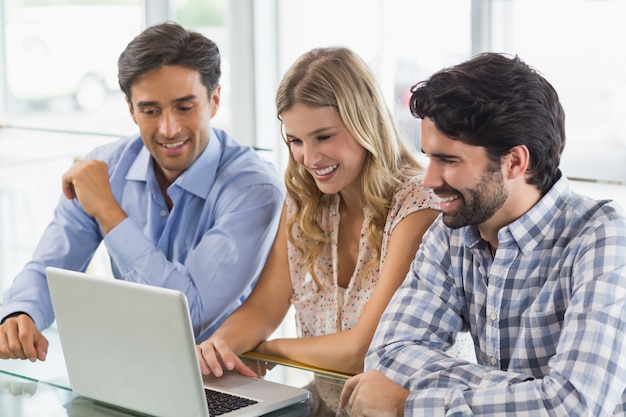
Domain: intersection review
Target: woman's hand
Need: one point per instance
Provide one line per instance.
(215, 355)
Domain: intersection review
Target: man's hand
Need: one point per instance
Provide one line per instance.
(20, 339)
(88, 182)
(215, 356)
(373, 394)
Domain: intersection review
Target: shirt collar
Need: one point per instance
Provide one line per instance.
(198, 179)
(530, 229)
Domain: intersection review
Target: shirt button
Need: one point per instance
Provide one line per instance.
(163, 213)
(493, 316)
(493, 360)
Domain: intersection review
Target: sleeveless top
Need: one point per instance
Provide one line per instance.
(332, 309)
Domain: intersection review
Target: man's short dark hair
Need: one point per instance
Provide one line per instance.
(497, 102)
(169, 44)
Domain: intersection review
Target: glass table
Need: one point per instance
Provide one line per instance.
(42, 389)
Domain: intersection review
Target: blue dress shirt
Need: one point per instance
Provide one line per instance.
(211, 246)
(547, 315)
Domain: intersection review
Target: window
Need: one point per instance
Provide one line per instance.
(61, 98)
(578, 46)
(58, 74)
(401, 40)
(61, 70)
(210, 17)
(59, 82)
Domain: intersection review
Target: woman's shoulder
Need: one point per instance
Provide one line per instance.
(412, 192)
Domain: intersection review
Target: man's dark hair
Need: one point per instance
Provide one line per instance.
(497, 102)
(169, 44)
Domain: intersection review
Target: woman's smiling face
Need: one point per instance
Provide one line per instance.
(320, 142)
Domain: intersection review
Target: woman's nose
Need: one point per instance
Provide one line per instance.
(310, 154)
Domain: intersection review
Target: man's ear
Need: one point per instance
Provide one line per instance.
(517, 161)
(214, 100)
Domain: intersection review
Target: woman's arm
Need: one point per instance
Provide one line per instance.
(345, 351)
(256, 319)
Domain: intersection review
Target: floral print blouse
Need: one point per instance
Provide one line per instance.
(332, 309)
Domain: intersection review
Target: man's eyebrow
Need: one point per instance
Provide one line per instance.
(175, 101)
(185, 98)
(439, 155)
(147, 103)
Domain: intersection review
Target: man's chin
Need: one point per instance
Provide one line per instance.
(452, 221)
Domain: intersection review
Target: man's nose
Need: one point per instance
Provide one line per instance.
(432, 176)
(168, 125)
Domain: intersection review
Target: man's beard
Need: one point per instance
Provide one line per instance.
(479, 203)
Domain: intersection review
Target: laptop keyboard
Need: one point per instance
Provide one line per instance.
(221, 403)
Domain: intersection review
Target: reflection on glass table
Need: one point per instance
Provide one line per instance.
(324, 385)
(42, 389)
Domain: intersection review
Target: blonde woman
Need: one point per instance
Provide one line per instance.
(352, 221)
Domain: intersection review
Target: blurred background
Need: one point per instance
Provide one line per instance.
(59, 95)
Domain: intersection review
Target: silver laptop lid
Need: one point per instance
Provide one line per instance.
(132, 346)
(127, 344)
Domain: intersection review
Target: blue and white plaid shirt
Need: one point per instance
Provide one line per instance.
(547, 315)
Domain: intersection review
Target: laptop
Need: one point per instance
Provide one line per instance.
(131, 346)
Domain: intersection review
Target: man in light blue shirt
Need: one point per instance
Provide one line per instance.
(534, 272)
(180, 205)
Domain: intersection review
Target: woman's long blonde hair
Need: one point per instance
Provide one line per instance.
(339, 78)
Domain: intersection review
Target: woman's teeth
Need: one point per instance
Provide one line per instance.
(326, 171)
